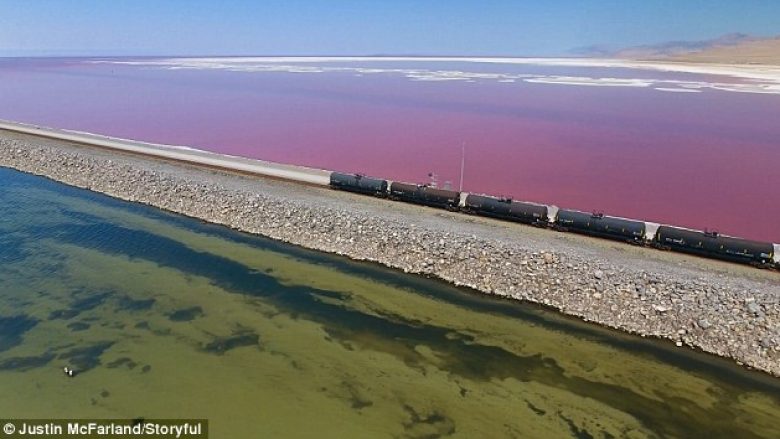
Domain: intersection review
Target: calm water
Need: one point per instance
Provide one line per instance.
(698, 156)
(169, 317)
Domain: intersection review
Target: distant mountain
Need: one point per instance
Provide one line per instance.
(757, 51)
(730, 48)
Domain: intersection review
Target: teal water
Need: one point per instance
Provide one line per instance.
(165, 316)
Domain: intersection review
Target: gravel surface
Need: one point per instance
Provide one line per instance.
(725, 309)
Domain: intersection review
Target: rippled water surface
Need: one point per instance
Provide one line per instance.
(165, 316)
(688, 149)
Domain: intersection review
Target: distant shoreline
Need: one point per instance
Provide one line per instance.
(706, 58)
(761, 79)
(733, 69)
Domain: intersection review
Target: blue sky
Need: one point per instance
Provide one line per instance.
(367, 27)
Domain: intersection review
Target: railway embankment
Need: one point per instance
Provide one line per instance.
(728, 310)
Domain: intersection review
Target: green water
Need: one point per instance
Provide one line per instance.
(168, 317)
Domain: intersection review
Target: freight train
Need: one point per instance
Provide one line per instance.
(665, 237)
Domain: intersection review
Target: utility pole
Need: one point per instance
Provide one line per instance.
(462, 164)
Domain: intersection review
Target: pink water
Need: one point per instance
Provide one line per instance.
(703, 160)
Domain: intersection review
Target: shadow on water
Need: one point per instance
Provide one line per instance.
(127, 303)
(22, 364)
(186, 314)
(85, 358)
(12, 330)
(12, 249)
(242, 338)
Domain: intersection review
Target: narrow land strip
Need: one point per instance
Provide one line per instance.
(725, 309)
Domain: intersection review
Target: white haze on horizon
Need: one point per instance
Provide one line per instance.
(753, 79)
